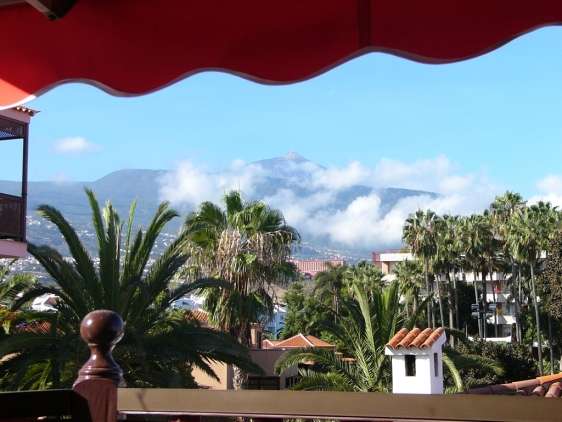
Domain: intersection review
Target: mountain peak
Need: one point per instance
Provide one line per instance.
(294, 156)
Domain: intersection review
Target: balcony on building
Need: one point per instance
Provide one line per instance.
(14, 139)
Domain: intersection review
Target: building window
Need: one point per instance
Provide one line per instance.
(436, 364)
(263, 383)
(410, 365)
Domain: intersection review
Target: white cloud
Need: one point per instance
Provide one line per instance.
(417, 175)
(191, 185)
(551, 184)
(550, 190)
(310, 196)
(74, 145)
(340, 178)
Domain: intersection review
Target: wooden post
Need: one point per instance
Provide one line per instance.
(25, 164)
(99, 377)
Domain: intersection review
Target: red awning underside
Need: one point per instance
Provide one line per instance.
(137, 46)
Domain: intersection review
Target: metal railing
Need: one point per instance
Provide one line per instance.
(12, 217)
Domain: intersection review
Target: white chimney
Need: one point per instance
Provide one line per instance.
(417, 361)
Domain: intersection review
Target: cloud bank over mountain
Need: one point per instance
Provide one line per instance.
(356, 205)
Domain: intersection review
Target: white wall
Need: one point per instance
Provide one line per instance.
(424, 382)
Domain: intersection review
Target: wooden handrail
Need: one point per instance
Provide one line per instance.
(96, 398)
(336, 405)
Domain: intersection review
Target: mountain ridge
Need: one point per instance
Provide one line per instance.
(285, 173)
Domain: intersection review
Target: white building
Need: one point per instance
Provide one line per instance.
(497, 291)
(417, 361)
(45, 303)
(277, 321)
(189, 302)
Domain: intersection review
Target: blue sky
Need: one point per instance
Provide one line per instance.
(498, 116)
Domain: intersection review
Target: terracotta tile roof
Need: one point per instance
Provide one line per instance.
(198, 315)
(416, 337)
(318, 342)
(37, 327)
(298, 341)
(547, 386)
(270, 344)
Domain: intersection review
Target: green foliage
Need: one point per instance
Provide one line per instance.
(409, 275)
(248, 245)
(465, 297)
(365, 326)
(158, 348)
(306, 314)
(516, 362)
(295, 320)
(550, 283)
(364, 275)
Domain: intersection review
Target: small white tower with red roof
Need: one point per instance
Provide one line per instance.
(417, 361)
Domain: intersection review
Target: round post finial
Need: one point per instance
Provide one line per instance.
(101, 330)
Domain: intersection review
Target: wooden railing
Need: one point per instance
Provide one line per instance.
(12, 217)
(93, 397)
(96, 397)
(153, 404)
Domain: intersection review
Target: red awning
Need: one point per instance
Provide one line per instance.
(137, 46)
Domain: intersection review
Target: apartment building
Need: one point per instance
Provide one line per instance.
(497, 290)
(310, 267)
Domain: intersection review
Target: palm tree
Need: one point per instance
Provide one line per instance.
(420, 233)
(528, 235)
(365, 274)
(409, 275)
(328, 286)
(11, 287)
(473, 237)
(491, 255)
(159, 347)
(446, 259)
(248, 245)
(502, 209)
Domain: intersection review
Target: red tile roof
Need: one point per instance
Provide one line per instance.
(316, 342)
(547, 386)
(270, 344)
(298, 341)
(36, 327)
(416, 337)
(198, 315)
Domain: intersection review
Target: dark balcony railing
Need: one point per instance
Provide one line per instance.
(96, 398)
(13, 208)
(12, 217)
